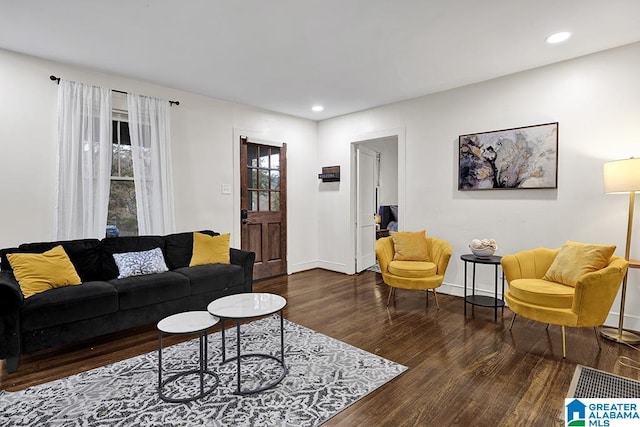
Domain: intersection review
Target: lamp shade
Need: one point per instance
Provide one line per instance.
(622, 176)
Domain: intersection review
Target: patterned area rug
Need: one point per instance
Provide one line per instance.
(324, 377)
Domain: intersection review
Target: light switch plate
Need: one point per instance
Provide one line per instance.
(226, 188)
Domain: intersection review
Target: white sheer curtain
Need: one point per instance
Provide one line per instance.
(152, 172)
(84, 161)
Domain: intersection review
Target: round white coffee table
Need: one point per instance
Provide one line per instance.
(247, 306)
(187, 323)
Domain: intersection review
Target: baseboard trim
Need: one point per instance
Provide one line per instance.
(303, 266)
(333, 266)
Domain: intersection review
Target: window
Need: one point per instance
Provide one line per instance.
(122, 218)
(263, 178)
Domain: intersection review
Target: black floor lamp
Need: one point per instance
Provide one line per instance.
(623, 176)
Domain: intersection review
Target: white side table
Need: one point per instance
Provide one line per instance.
(189, 322)
(246, 306)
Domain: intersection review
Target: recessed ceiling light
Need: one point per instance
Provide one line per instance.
(317, 108)
(558, 37)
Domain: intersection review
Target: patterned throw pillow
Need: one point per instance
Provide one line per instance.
(139, 263)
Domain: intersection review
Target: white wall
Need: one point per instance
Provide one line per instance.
(595, 101)
(203, 144)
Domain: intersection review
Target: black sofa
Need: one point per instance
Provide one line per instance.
(102, 303)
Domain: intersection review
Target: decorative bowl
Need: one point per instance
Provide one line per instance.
(483, 252)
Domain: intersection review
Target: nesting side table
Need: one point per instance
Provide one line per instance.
(482, 300)
(187, 323)
(247, 306)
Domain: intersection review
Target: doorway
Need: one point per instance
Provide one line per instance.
(366, 190)
(376, 183)
(263, 206)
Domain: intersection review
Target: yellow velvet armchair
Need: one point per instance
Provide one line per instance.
(531, 295)
(416, 275)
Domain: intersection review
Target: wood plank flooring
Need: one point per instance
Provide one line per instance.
(471, 371)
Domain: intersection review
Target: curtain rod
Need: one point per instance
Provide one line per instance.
(57, 80)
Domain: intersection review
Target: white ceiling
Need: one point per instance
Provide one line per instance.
(286, 55)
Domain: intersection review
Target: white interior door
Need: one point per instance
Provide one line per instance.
(365, 221)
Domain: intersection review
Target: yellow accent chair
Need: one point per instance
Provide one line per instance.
(425, 274)
(531, 293)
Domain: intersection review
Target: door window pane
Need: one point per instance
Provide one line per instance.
(275, 180)
(275, 158)
(275, 201)
(263, 177)
(252, 182)
(252, 200)
(252, 156)
(264, 201)
(264, 157)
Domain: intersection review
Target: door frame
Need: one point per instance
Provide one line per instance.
(258, 138)
(400, 134)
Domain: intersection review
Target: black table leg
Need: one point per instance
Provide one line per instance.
(282, 339)
(224, 344)
(238, 352)
(495, 293)
(160, 362)
(465, 289)
(502, 296)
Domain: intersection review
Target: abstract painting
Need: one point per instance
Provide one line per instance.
(524, 157)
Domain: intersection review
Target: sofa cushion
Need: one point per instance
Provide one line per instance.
(117, 245)
(70, 304)
(37, 273)
(412, 269)
(210, 249)
(141, 291)
(542, 292)
(211, 277)
(179, 248)
(85, 254)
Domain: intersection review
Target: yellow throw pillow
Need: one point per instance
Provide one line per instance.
(210, 249)
(410, 246)
(37, 273)
(576, 259)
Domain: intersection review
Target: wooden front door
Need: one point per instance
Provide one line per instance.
(263, 204)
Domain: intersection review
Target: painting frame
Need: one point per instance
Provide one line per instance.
(517, 158)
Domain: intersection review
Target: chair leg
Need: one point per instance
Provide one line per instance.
(391, 292)
(595, 329)
(435, 296)
(564, 344)
(513, 319)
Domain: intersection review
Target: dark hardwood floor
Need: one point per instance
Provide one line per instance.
(471, 371)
